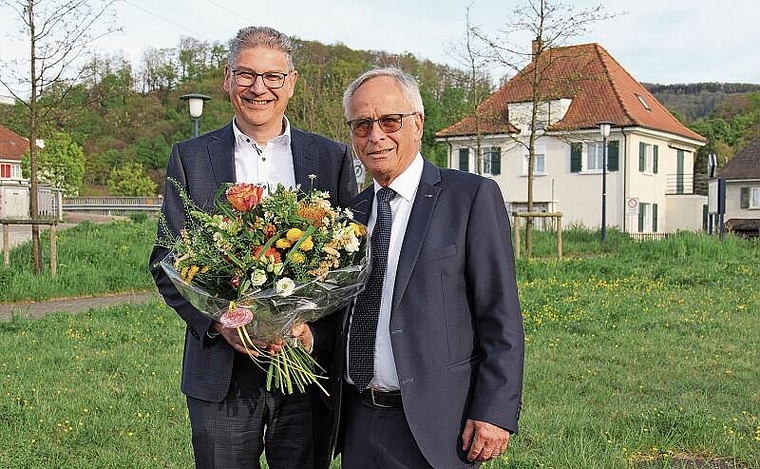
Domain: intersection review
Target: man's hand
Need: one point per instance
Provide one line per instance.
(483, 440)
(232, 337)
(302, 332)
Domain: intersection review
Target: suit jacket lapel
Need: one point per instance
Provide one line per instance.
(221, 152)
(419, 220)
(305, 161)
(362, 205)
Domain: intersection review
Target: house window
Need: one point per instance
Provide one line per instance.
(594, 156)
(643, 209)
(643, 102)
(539, 161)
(648, 158)
(749, 197)
(492, 161)
(464, 159)
(5, 170)
(680, 158)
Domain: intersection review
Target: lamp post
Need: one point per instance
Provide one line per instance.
(604, 129)
(195, 104)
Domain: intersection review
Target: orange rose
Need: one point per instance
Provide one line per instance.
(243, 197)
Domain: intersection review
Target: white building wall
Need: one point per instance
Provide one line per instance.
(579, 195)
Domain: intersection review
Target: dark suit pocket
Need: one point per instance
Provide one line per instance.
(469, 361)
(435, 254)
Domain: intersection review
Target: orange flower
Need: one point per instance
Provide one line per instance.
(271, 253)
(243, 197)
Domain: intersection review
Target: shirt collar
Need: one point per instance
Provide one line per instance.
(282, 140)
(406, 183)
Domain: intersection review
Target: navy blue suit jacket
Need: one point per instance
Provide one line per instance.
(200, 166)
(456, 326)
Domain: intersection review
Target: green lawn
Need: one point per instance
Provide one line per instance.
(638, 355)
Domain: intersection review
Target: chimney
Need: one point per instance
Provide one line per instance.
(537, 45)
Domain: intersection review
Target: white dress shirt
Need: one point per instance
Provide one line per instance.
(405, 185)
(270, 164)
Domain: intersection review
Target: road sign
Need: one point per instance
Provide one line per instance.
(359, 172)
(632, 206)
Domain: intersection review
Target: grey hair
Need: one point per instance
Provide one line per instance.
(405, 81)
(254, 36)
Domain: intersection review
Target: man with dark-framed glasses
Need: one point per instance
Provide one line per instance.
(234, 419)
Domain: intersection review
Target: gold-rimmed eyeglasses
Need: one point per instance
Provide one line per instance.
(271, 80)
(388, 123)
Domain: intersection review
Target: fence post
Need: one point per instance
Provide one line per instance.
(559, 237)
(516, 224)
(53, 251)
(6, 246)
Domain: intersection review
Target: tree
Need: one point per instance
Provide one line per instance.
(130, 180)
(60, 163)
(59, 33)
(550, 24)
(471, 55)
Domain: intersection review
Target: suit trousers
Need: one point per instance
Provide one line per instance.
(377, 438)
(232, 434)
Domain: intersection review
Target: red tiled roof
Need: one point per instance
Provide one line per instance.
(12, 145)
(600, 89)
(745, 165)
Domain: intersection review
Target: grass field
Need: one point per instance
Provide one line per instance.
(639, 355)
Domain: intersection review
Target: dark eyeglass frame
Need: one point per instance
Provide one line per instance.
(252, 76)
(362, 126)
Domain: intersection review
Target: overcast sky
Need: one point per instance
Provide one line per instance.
(657, 41)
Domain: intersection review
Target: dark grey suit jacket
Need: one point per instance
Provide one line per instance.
(200, 166)
(456, 326)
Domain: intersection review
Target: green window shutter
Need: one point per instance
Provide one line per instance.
(642, 216)
(464, 159)
(655, 151)
(495, 161)
(576, 157)
(642, 156)
(654, 218)
(613, 152)
(680, 171)
(744, 197)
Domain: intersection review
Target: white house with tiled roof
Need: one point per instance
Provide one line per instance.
(742, 175)
(650, 182)
(14, 189)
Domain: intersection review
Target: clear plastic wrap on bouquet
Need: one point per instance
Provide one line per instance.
(274, 312)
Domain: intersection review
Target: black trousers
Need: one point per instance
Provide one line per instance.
(232, 434)
(376, 437)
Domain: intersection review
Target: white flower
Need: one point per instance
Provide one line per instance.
(352, 244)
(284, 286)
(258, 277)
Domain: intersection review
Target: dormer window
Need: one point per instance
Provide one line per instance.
(643, 102)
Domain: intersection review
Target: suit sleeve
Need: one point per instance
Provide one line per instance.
(173, 214)
(496, 309)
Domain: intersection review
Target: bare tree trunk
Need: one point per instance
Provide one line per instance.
(33, 121)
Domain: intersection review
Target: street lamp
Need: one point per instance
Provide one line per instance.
(195, 103)
(604, 129)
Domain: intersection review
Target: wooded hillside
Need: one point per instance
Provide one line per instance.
(126, 117)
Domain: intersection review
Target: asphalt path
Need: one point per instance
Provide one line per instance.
(18, 234)
(38, 309)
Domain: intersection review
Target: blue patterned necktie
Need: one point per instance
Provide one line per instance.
(361, 347)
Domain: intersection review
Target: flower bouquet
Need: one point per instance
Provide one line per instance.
(264, 261)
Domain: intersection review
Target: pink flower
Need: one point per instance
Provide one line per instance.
(236, 318)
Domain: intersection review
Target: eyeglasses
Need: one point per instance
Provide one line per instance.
(388, 123)
(271, 80)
